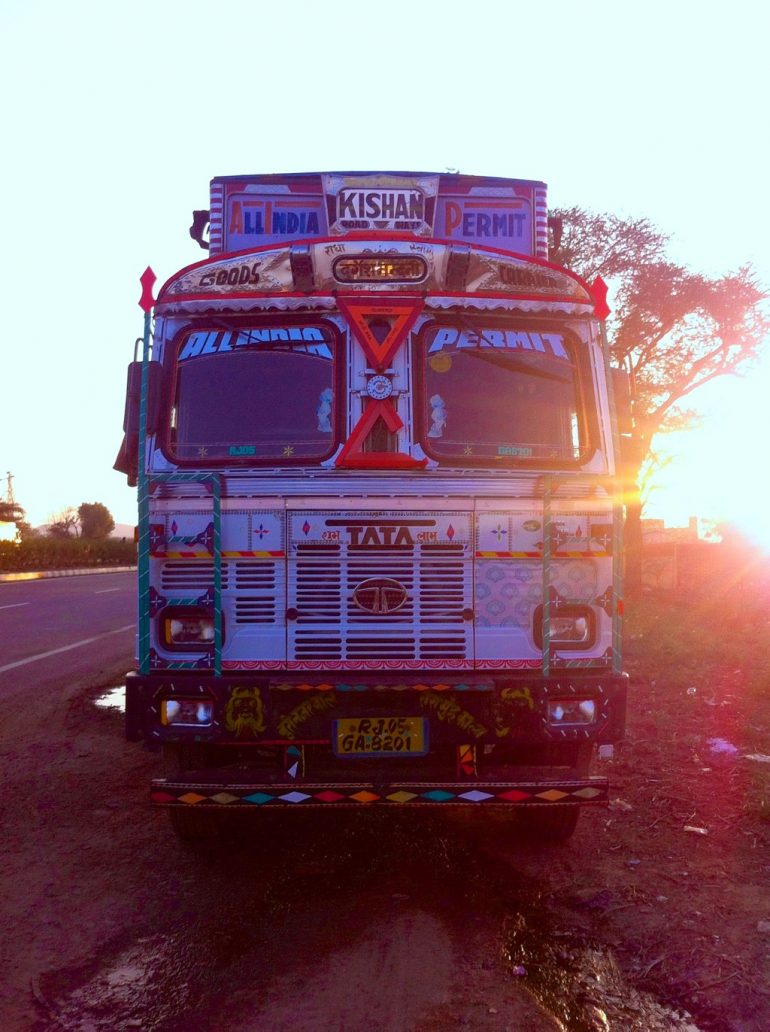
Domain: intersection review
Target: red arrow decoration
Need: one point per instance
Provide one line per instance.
(599, 294)
(353, 457)
(147, 279)
(399, 313)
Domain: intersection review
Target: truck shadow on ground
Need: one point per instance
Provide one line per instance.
(277, 894)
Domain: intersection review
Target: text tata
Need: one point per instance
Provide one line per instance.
(513, 340)
(382, 536)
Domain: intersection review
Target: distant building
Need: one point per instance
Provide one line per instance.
(673, 556)
(655, 532)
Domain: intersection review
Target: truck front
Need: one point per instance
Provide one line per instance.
(379, 538)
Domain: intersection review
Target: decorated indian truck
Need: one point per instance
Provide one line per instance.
(374, 439)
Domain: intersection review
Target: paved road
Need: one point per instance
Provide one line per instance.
(72, 624)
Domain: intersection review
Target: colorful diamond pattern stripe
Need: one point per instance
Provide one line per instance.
(587, 793)
(356, 794)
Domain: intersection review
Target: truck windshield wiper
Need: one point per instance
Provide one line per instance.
(498, 357)
(515, 365)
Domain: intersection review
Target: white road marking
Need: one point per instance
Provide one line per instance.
(16, 605)
(64, 648)
(106, 591)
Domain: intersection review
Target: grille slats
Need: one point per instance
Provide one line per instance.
(429, 625)
(250, 590)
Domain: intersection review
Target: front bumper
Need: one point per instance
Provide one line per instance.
(484, 708)
(269, 742)
(174, 792)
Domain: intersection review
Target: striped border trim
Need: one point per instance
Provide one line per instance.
(288, 686)
(216, 218)
(225, 555)
(541, 222)
(480, 665)
(594, 792)
(539, 555)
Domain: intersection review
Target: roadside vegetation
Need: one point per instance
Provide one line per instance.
(50, 553)
(73, 538)
(715, 621)
(699, 663)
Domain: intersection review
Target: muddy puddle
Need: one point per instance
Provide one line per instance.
(578, 981)
(113, 698)
(250, 917)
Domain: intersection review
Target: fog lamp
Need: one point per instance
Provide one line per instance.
(571, 711)
(186, 712)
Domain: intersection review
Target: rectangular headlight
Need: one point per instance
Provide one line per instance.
(571, 711)
(187, 712)
(571, 627)
(186, 627)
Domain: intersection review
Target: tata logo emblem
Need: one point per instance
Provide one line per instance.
(380, 596)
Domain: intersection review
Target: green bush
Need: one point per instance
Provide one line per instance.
(46, 553)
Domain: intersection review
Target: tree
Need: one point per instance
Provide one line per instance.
(26, 531)
(10, 512)
(64, 524)
(673, 328)
(95, 520)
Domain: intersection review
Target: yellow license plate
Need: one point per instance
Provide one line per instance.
(380, 736)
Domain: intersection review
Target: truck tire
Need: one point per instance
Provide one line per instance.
(191, 825)
(549, 825)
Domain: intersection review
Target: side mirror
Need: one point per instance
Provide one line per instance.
(134, 397)
(126, 462)
(624, 402)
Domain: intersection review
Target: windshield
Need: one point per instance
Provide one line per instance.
(500, 393)
(255, 393)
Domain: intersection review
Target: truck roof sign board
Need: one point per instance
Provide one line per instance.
(253, 211)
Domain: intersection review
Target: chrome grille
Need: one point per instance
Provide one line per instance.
(330, 626)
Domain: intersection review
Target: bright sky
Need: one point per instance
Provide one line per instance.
(117, 116)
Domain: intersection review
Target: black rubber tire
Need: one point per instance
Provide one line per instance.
(549, 825)
(193, 825)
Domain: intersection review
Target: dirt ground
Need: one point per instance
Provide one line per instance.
(656, 915)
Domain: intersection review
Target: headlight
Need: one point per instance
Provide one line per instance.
(199, 630)
(571, 627)
(571, 711)
(186, 627)
(187, 712)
